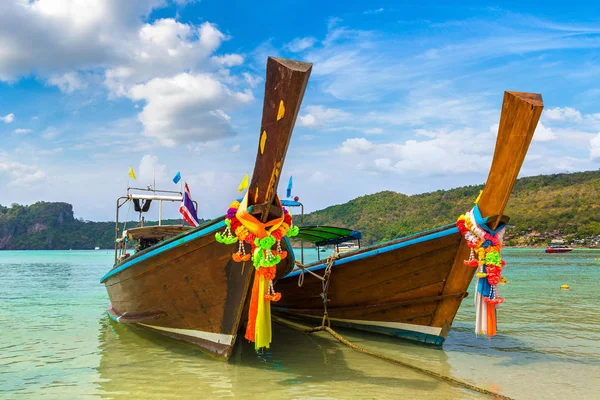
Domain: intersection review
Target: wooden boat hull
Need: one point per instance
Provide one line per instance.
(412, 287)
(187, 288)
(392, 289)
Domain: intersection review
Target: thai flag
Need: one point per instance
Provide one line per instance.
(187, 208)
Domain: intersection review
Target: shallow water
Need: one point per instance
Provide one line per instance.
(57, 342)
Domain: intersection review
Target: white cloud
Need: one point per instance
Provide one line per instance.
(187, 108)
(595, 147)
(443, 152)
(20, 174)
(373, 131)
(7, 119)
(318, 177)
(68, 82)
(571, 119)
(229, 60)
(49, 151)
(375, 11)
(75, 44)
(356, 145)
(563, 114)
(433, 103)
(22, 131)
(165, 48)
(300, 44)
(29, 179)
(252, 80)
(50, 133)
(185, 2)
(319, 116)
(60, 35)
(150, 169)
(307, 120)
(543, 134)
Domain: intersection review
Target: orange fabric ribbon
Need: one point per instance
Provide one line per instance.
(253, 225)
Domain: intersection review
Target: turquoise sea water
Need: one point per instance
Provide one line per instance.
(56, 342)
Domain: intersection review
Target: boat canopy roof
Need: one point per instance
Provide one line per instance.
(290, 203)
(326, 235)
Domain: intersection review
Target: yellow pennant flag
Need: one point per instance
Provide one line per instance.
(243, 183)
(478, 197)
(131, 173)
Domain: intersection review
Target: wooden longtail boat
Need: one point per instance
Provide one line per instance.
(412, 287)
(187, 286)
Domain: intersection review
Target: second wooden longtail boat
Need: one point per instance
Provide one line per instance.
(412, 287)
(183, 283)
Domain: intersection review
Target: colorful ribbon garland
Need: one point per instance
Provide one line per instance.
(485, 244)
(261, 237)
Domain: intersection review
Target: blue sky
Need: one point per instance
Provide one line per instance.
(402, 97)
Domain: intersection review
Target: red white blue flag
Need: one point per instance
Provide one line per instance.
(187, 208)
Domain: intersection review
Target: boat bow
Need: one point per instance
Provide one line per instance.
(520, 115)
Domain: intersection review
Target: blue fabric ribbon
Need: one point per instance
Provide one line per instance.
(483, 286)
(481, 222)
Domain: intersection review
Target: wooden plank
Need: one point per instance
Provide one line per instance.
(403, 274)
(284, 89)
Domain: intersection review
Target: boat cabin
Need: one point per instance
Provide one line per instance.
(145, 235)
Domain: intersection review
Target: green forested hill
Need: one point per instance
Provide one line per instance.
(52, 226)
(541, 208)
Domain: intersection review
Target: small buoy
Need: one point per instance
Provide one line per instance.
(564, 287)
(503, 280)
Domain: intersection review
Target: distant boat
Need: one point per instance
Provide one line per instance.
(181, 282)
(411, 287)
(96, 248)
(346, 246)
(558, 249)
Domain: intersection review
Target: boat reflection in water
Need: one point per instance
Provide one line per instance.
(136, 363)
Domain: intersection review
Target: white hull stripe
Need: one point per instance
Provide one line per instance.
(429, 330)
(219, 338)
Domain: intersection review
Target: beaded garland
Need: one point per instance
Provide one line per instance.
(485, 247)
(262, 255)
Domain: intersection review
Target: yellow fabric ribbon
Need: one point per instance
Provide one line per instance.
(263, 317)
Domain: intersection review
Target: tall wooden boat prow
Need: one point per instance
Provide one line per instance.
(181, 282)
(412, 287)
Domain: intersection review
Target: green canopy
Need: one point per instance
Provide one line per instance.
(326, 235)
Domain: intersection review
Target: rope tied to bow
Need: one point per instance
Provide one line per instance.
(325, 279)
